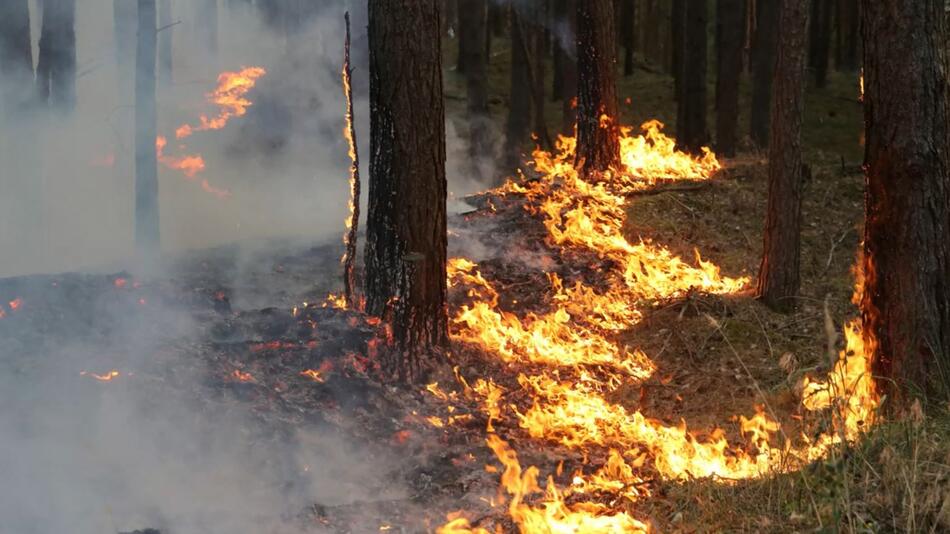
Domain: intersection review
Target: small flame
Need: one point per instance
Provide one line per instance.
(241, 376)
(107, 377)
(15, 304)
(314, 375)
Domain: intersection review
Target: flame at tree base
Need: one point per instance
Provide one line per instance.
(575, 339)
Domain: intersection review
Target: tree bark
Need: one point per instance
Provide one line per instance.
(566, 62)
(628, 33)
(406, 223)
(819, 46)
(678, 37)
(764, 44)
(779, 277)
(165, 42)
(906, 299)
(730, 31)
(693, 134)
(518, 124)
(56, 66)
(147, 235)
(476, 82)
(598, 139)
(16, 56)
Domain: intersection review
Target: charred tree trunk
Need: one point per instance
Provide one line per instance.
(147, 236)
(206, 25)
(537, 43)
(518, 124)
(165, 42)
(906, 297)
(848, 36)
(471, 29)
(476, 82)
(16, 56)
(779, 272)
(598, 139)
(819, 45)
(56, 66)
(730, 39)
(764, 43)
(628, 33)
(692, 106)
(406, 223)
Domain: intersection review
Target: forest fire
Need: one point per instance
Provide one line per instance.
(106, 377)
(575, 340)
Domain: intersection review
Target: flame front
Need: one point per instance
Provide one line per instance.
(570, 361)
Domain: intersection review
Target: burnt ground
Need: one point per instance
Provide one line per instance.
(218, 332)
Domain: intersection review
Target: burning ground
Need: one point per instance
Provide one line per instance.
(606, 377)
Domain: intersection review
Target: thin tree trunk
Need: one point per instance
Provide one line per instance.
(598, 139)
(538, 44)
(165, 42)
(518, 124)
(846, 55)
(566, 62)
(628, 28)
(16, 56)
(692, 105)
(730, 32)
(147, 236)
(125, 26)
(476, 81)
(678, 36)
(764, 43)
(206, 25)
(56, 66)
(406, 223)
(470, 41)
(906, 298)
(820, 40)
(779, 277)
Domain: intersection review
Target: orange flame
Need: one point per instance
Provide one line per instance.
(229, 96)
(108, 377)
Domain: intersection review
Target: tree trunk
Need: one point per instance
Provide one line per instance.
(820, 40)
(165, 42)
(16, 56)
(56, 66)
(125, 26)
(206, 25)
(730, 38)
(692, 106)
(628, 29)
(538, 45)
(779, 273)
(566, 63)
(846, 55)
(764, 43)
(406, 223)
(598, 139)
(906, 298)
(476, 81)
(518, 124)
(147, 236)
(678, 36)
(471, 28)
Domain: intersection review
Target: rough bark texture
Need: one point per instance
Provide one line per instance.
(165, 42)
(628, 34)
(779, 273)
(146, 166)
(906, 298)
(691, 109)
(846, 55)
(56, 66)
(406, 223)
(764, 43)
(730, 38)
(518, 123)
(598, 140)
(16, 56)
(476, 82)
(819, 46)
